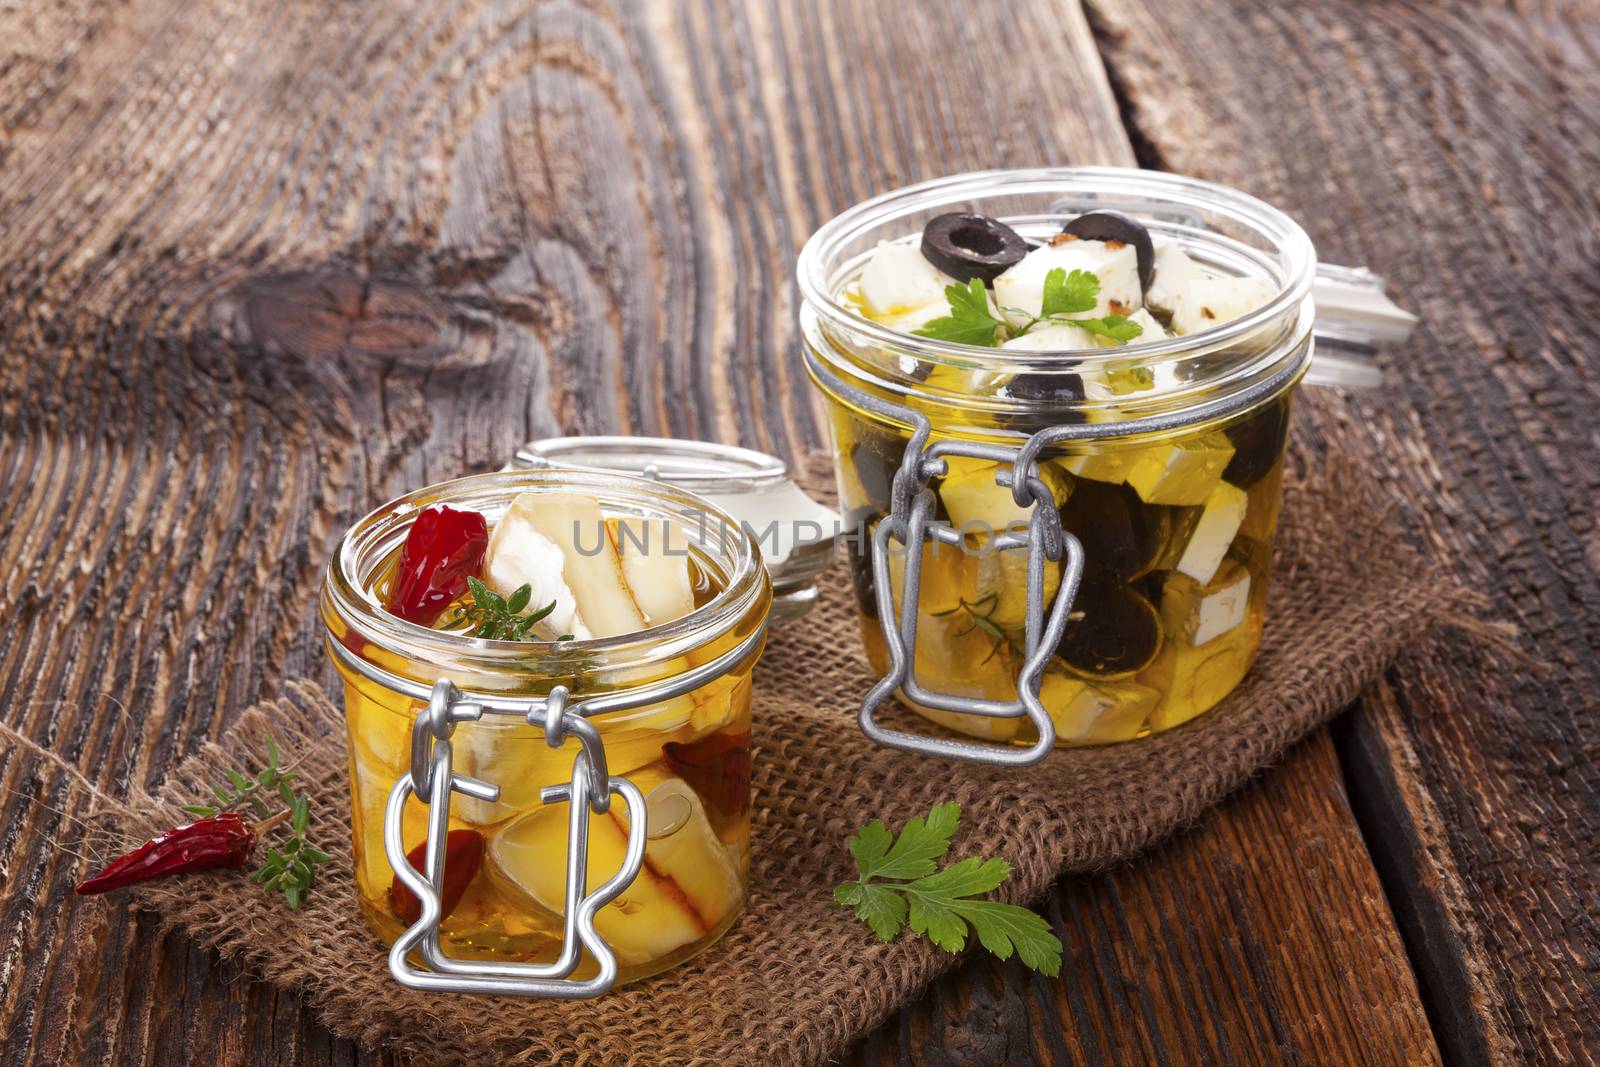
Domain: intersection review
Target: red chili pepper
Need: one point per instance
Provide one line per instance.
(444, 548)
(463, 855)
(718, 767)
(219, 841)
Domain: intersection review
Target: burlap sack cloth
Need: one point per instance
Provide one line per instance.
(797, 978)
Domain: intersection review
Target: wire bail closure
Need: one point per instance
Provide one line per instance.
(1045, 539)
(589, 790)
(911, 504)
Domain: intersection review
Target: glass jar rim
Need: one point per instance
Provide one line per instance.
(821, 268)
(377, 534)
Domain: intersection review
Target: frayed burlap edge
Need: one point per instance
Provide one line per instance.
(797, 978)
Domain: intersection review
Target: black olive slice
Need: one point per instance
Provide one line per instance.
(1115, 226)
(1051, 388)
(1122, 536)
(875, 457)
(1114, 630)
(972, 246)
(1257, 444)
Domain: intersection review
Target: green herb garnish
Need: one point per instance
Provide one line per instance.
(289, 868)
(980, 616)
(970, 321)
(497, 618)
(899, 886)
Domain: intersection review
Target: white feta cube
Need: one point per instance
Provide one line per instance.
(1220, 610)
(897, 279)
(1219, 522)
(518, 555)
(1152, 329)
(1211, 301)
(1173, 274)
(1055, 337)
(1020, 291)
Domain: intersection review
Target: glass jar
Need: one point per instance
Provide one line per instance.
(1163, 460)
(488, 710)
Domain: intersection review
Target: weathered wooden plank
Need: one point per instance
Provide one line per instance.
(1463, 146)
(1260, 936)
(269, 265)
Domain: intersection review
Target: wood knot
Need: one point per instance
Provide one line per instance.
(320, 315)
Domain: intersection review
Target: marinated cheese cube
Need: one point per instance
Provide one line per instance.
(899, 279)
(1002, 584)
(1180, 472)
(972, 498)
(1213, 301)
(1196, 679)
(1110, 466)
(1197, 614)
(1087, 712)
(1218, 523)
(1173, 273)
(1020, 290)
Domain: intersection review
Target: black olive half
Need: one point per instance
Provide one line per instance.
(1122, 536)
(972, 246)
(1114, 631)
(1115, 226)
(1257, 444)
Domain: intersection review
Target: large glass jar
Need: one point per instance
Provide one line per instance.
(1167, 469)
(689, 756)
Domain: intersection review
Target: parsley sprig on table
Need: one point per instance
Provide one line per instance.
(970, 321)
(898, 886)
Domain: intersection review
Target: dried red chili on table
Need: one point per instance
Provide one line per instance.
(223, 840)
(444, 548)
(463, 855)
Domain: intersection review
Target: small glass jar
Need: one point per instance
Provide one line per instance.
(688, 755)
(1163, 459)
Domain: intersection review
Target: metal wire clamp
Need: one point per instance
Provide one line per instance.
(911, 504)
(431, 779)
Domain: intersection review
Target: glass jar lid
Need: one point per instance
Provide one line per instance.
(795, 533)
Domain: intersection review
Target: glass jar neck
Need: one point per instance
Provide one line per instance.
(354, 614)
(1224, 231)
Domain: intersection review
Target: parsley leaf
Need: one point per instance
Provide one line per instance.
(939, 905)
(970, 322)
(1068, 294)
(921, 842)
(1117, 328)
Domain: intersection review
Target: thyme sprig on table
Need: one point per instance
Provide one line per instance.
(290, 867)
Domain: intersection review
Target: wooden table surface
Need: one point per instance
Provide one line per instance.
(266, 264)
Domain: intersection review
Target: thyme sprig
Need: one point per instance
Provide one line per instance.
(499, 618)
(290, 868)
(980, 616)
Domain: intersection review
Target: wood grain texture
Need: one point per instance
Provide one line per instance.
(269, 264)
(1258, 938)
(1452, 146)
